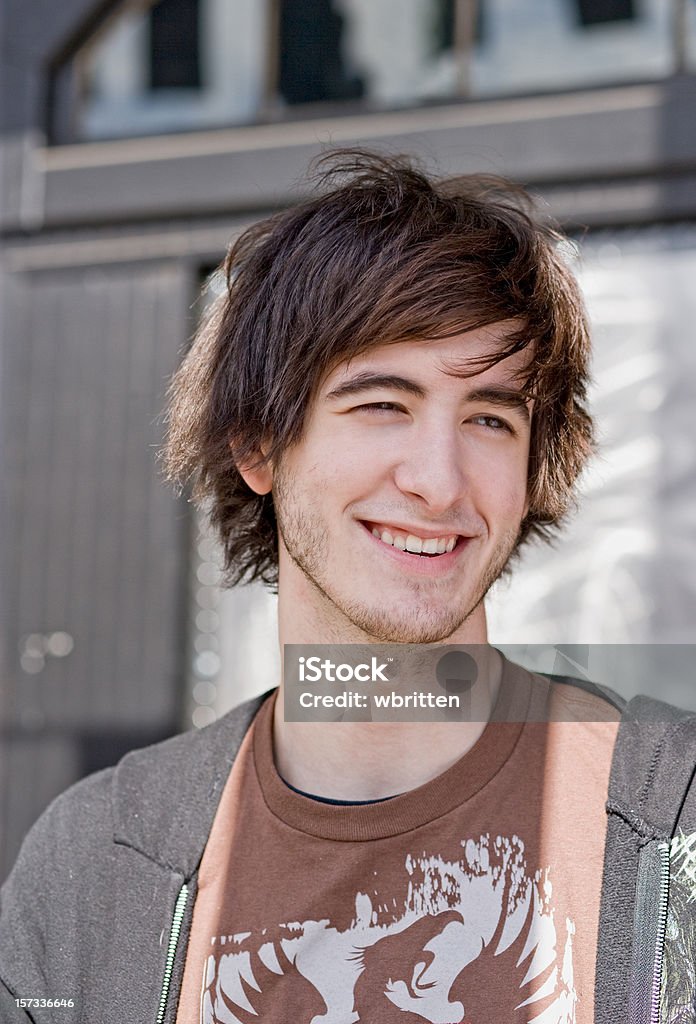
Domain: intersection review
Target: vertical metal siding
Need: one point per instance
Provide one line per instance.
(93, 542)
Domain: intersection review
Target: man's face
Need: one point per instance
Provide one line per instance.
(403, 501)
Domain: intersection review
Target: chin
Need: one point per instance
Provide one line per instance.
(418, 628)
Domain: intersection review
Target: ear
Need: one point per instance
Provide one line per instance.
(257, 474)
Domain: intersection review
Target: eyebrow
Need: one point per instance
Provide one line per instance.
(504, 397)
(367, 381)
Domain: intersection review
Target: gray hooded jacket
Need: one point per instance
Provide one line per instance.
(97, 909)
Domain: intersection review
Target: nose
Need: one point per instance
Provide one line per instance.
(432, 468)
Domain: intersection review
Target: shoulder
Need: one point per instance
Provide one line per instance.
(573, 699)
(143, 821)
(559, 699)
(73, 827)
(134, 802)
(164, 776)
(178, 780)
(654, 769)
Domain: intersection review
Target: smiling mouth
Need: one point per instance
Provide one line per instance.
(411, 543)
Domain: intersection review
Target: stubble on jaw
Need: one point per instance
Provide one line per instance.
(306, 541)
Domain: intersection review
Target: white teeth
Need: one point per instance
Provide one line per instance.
(416, 545)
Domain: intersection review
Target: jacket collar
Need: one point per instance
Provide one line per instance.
(165, 796)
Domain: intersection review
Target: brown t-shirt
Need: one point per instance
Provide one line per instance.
(472, 899)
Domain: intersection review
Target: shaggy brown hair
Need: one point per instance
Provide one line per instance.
(382, 253)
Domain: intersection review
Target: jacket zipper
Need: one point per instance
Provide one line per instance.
(179, 910)
(663, 900)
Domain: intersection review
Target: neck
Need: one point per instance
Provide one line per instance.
(372, 760)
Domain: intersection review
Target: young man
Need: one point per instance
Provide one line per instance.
(387, 403)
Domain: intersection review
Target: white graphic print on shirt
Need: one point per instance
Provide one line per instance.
(459, 930)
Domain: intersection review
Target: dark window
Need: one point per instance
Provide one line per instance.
(445, 15)
(175, 45)
(599, 12)
(312, 66)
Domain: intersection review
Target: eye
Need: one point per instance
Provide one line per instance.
(493, 423)
(377, 407)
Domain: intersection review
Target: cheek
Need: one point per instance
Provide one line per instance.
(350, 461)
(518, 491)
(501, 491)
(332, 470)
(510, 506)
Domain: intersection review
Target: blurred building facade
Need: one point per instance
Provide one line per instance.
(137, 139)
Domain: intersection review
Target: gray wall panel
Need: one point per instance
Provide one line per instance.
(96, 546)
(30, 36)
(569, 138)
